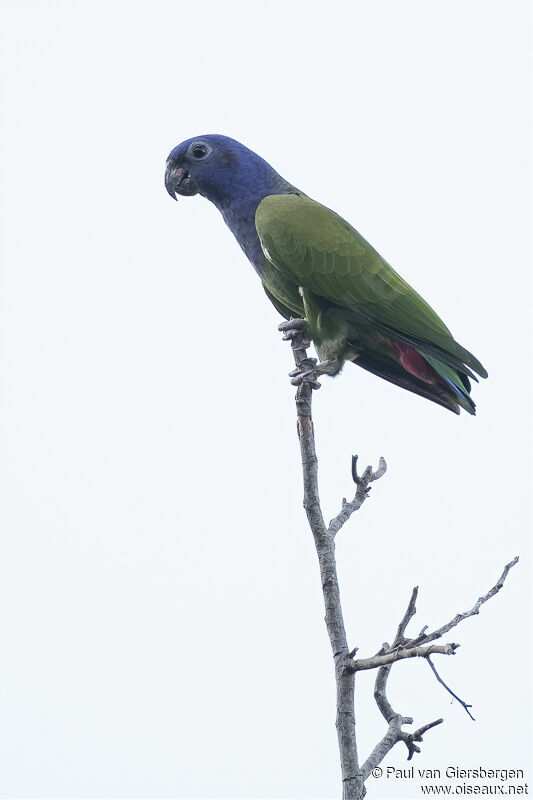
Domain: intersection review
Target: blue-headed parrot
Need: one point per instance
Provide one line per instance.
(315, 266)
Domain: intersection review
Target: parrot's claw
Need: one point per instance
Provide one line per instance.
(307, 365)
(297, 324)
(309, 370)
(297, 332)
(305, 371)
(306, 377)
(290, 335)
(293, 328)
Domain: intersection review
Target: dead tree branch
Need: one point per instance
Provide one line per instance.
(466, 706)
(424, 638)
(363, 488)
(398, 655)
(393, 718)
(296, 331)
(353, 774)
(403, 647)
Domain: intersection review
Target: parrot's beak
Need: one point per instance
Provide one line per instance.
(178, 181)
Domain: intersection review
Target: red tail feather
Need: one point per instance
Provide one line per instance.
(414, 363)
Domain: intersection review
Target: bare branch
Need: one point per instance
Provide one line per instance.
(383, 747)
(380, 694)
(381, 470)
(363, 488)
(423, 637)
(466, 706)
(398, 655)
(395, 721)
(407, 617)
(354, 776)
(417, 736)
(353, 788)
(403, 647)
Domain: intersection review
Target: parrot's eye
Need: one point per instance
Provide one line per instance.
(199, 151)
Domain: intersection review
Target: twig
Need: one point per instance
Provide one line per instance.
(363, 488)
(466, 706)
(394, 732)
(417, 736)
(403, 647)
(408, 648)
(424, 638)
(406, 619)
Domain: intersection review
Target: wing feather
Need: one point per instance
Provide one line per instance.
(315, 248)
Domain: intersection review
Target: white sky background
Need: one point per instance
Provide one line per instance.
(161, 620)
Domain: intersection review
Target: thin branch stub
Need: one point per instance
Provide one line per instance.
(363, 487)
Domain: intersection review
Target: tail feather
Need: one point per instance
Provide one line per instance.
(452, 354)
(392, 371)
(453, 380)
(422, 369)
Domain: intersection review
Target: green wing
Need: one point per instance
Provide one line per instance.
(315, 248)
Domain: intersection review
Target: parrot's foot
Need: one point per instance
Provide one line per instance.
(305, 371)
(297, 332)
(293, 328)
(330, 367)
(309, 370)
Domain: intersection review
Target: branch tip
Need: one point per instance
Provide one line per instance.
(424, 638)
(363, 489)
(466, 706)
(409, 739)
(381, 470)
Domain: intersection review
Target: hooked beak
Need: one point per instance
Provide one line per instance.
(178, 181)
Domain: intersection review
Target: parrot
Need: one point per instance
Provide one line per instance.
(314, 266)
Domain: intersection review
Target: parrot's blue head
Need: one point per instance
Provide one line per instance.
(219, 168)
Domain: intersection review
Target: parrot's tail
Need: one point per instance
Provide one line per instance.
(423, 375)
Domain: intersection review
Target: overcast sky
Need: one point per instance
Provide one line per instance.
(161, 620)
